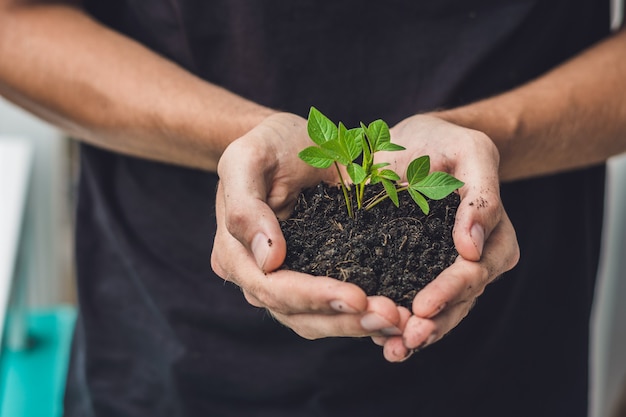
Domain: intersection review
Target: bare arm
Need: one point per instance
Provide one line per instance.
(571, 117)
(102, 87)
(574, 116)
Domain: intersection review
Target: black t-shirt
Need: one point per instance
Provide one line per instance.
(160, 335)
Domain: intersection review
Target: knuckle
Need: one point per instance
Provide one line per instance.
(216, 265)
(252, 300)
(269, 300)
(235, 219)
(234, 152)
(279, 306)
(485, 144)
(260, 296)
(475, 277)
(307, 333)
(514, 259)
(299, 327)
(438, 289)
(468, 305)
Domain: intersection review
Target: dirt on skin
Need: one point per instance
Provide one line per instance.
(387, 251)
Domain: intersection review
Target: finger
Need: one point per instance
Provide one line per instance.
(283, 291)
(382, 318)
(251, 299)
(287, 293)
(318, 326)
(478, 213)
(420, 332)
(380, 340)
(404, 313)
(480, 209)
(248, 218)
(395, 350)
(465, 280)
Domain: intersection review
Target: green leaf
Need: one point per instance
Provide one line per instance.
(341, 129)
(366, 141)
(354, 144)
(316, 157)
(380, 165)
(418, 169)
(365, 146)
(335, 149)
(437, 185)
(378, 134)
(389, 175)
(392, 192)
(356, 173)
(320, 128)
(346, 148)
(377, 175)
(388, 146)
(420, 200)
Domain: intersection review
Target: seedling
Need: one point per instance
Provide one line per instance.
(355, 148)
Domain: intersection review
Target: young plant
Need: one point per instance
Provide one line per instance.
(355, 148)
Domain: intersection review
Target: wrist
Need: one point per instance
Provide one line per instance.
(498, 118)
(214, 119)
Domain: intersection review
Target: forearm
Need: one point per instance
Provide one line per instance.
(111, 91)
(572, 117)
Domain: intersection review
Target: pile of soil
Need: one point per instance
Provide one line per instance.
(387, 251)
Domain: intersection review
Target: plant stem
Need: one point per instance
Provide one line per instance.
(360, 191)
(345, 190)
(381, 196)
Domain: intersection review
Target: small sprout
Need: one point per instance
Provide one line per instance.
(355, 148)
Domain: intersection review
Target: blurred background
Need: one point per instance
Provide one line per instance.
(37, 294)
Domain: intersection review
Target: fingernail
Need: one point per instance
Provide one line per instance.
(431, 339)
(438, 310)
(408, 355)
(341, 307)
(391, 331)
(420, 347)
(373, 322)
(260, 249)
(477, 233)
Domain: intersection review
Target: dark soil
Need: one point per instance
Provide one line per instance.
(387, 251)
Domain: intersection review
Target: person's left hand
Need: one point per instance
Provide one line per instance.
(483, 234)
(260, 178)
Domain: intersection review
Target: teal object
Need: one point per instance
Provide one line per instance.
(32, 381)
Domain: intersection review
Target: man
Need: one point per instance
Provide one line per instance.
(158, 90)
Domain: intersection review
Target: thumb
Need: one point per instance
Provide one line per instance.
(253, 223)
(476, 217)
(267, 252)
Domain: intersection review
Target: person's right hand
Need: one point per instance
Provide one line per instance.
(260, 179)
(483, 234)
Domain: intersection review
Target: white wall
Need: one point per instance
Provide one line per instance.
(48, 216)
(608, 348)
(608, 333)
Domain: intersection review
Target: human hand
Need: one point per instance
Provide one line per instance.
(483, 234)
(260, 179)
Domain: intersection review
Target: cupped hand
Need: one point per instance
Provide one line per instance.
(260, 179)
(483, 234)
